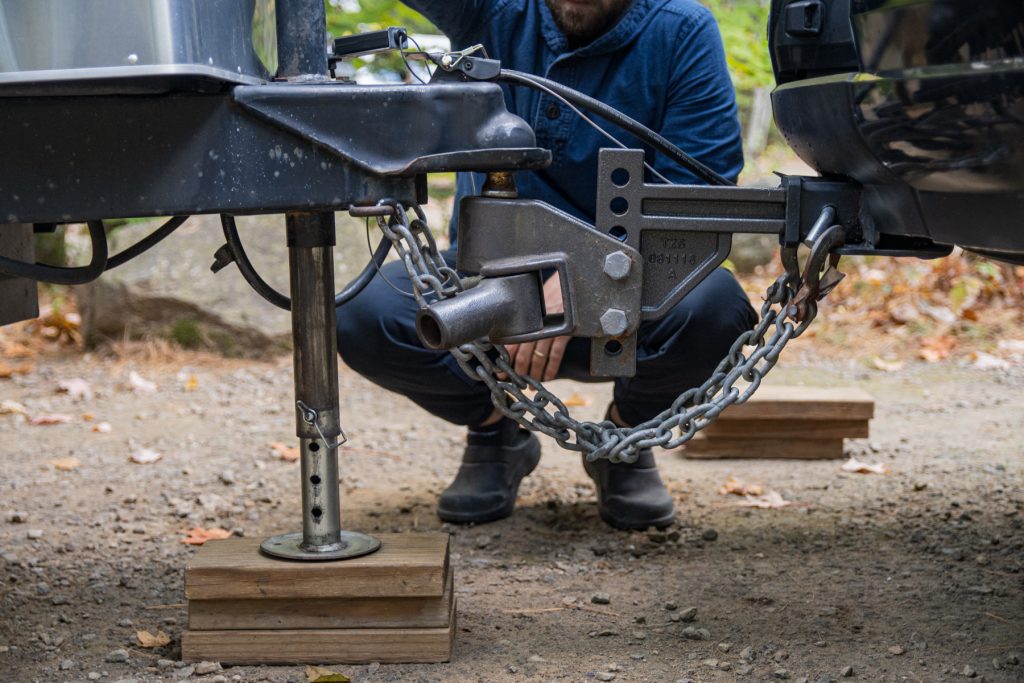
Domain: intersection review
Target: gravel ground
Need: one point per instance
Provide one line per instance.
(915, 575)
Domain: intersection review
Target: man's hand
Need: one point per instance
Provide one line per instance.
(541, 359)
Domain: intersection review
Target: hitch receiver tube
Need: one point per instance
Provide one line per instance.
(495, 309)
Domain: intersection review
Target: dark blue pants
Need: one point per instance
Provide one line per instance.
(377, 338)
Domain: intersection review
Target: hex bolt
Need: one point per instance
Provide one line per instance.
(617, 265)
(613, 322)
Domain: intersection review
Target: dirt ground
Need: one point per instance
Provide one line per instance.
(914, 575)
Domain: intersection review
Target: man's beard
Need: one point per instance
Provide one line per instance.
(584, 20)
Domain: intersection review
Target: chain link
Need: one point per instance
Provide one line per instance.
(781, 320)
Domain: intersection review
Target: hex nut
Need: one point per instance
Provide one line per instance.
(613, 322)
(617, 265)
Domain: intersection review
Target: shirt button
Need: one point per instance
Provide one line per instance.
(553, 111)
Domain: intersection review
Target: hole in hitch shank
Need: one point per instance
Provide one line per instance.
(314, 446)
(317, 512)
(314, 480)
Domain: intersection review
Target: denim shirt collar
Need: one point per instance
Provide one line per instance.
(624, 30)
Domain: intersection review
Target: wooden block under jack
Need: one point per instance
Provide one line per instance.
(321, 646)
(395, 605)
(721, 448)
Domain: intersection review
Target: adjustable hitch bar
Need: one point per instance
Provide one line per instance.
(651, 245)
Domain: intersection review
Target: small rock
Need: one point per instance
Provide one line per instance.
(710, 663)
(536, 659)
(981, 559)
(34, 534)
(968, 671)
(780, 656)
(117, 656)
(920, 485)
(16, 517)
(847, 672)
(691, 633)
(164, 663)
(600, 599)
(820, 643)
(671, 606)
(94, 676)
(724, 666)
(219, 678)
(896, 650)
(66, 664)
(61, 600)
(744, 669)
(639, 635)
(203, 668)
(688, 614)
(747, 653)
(709, 535)
(125, 622)
(781, 674)
(1013, 659)
(605, 676)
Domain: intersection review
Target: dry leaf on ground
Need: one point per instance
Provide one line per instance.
(50, 419)
(145, 456)
(192, 383)
(7, 371)
(577, 400)
(286, 453)
(13, 408)
(102, 428)
(66, 464)
(76, 388)
(140, 384)
(886, 365)
(935, 349)
(738, 488)
(319, 674)
(769, 501)
(147, 639)
(854, 465)
(198, 535)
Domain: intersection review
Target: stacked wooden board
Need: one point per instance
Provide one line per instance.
(787, 422)
(395, 605)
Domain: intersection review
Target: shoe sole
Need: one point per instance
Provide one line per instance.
(529, 463)
(638, 525)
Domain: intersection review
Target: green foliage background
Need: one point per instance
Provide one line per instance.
(743, 24)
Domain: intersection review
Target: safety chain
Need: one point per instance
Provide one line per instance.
(789, 307)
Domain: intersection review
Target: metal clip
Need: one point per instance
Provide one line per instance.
(311, 417)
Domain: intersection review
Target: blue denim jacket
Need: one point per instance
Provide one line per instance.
(662, 63)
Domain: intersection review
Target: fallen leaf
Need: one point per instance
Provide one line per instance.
(318, 674)
(76, 388)
(854, 465)
(145, 456)
(286, 453)
(102, 428)
(577, 400)
(18, 350)
(88, 417)
(770, 500)
(66, 464)
(737, 488)
(13, 408)
(7, 371)
(147, 639)
(934, 349)
(198, 535)
(139, 384)
(50, 419)
(192, 383)
(886, 365)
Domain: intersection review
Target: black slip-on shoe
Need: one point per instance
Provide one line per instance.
(487, 483)
(631, 496)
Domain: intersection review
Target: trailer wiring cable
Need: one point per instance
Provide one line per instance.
(265, 290)
(627, 123)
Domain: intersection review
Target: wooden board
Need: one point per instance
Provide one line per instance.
(234, 569)
(719, 448)
(804, 403)
(320, 646)
(322, 613)
(788, 429)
